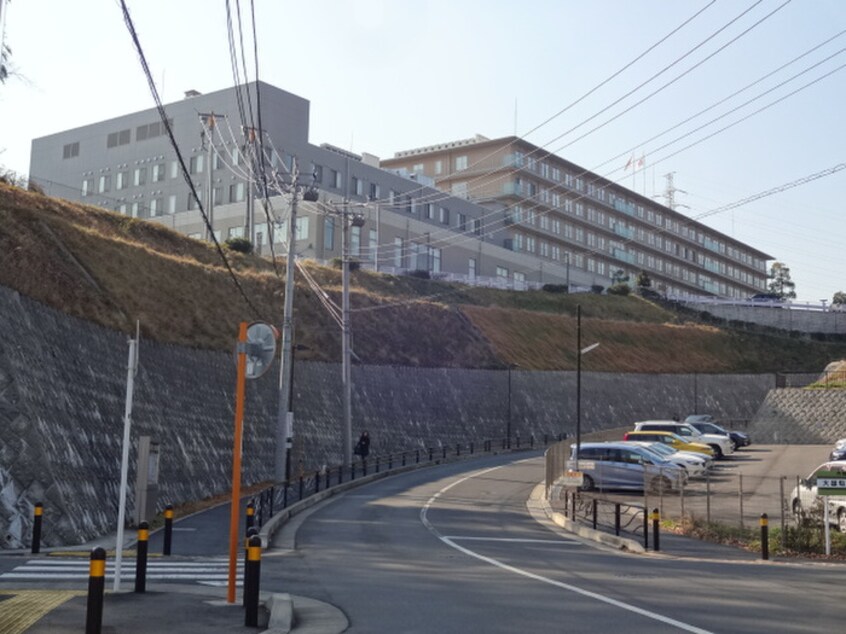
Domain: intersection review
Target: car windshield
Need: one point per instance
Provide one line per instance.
(658, 448)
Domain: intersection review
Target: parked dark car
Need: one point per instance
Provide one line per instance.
(705, 424)
(838, 453)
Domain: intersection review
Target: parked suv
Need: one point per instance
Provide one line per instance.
(706, 424)
(619, 465)
(721, 444)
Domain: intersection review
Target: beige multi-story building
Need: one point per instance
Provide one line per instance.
(559, 213)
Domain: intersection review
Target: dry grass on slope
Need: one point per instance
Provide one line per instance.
(548, 342)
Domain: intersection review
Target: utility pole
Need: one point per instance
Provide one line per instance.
(210, 119)
(284, 419)
(348, 218)
(249, 213)
(346, 370)
(378, 236)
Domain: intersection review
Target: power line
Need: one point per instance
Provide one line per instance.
(166, 123)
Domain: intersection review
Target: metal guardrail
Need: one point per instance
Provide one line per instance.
(279, 497)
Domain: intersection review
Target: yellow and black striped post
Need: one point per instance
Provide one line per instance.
(251, 516)
(765, 536)
(96, 585)
(141, 559)
(168, 530)
(38, 513)
(656, 533)
(251, 532)
(252, 576)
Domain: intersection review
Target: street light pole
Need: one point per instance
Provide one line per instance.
(346, 373)
(579, 352)
(508, 420)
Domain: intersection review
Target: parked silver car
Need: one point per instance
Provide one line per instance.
(623, 465)
(804, 498)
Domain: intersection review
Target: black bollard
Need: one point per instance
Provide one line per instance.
(141, 559)
(252, 531)
(251, 516)
(656, 533)
(96, 586)
(168, 530)
(301, 485)
(37, 516)
(617, 519)
(765, 538)
(252, 577)
(594, 513)
(417, 455)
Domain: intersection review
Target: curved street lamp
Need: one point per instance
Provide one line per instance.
(579, 352)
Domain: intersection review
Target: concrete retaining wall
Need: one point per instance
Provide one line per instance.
(780, 316)
(62, 390)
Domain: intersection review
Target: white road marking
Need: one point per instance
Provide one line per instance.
(515, 540)
(525, 573)
(78, 569)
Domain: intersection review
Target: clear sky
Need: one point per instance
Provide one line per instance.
(388, 75)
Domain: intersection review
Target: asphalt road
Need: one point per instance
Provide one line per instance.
(454, 549)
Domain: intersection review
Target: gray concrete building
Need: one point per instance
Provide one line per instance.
(503, 239)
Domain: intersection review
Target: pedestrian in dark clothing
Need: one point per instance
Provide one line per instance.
(362, 448)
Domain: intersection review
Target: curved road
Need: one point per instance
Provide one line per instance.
(455, 549)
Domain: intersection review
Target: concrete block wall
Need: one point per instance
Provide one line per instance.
(801, 416)
(62, 391)
(780, 316)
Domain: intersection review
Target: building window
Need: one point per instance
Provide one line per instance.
(134, 210)
(236, 232)
(398, 253)
(115, 139)
(436, 259)
(192, 202)
(477, 226)
(418, 168)
(459, 190)
(501, 271)
(317, 174)
(236, 192)
(471, 268)
(336, 179)
(88, 187)
(430, 211)
(70, 150)
(140, 176)
(519, 277)
(460, 163)
(439, 167)
(158, 172)
(174, 169)
(373, 241)
(122, 181)
(328, 234)
(171, 204)
(122, 208)
(355, 241)
(104, 184)
(461, 221)
(196, 164)
(156, 207)
(374, 191)
(444, 215)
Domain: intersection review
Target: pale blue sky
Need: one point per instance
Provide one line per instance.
(385, 75)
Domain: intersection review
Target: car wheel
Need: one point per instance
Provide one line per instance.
(841, 520)
(587, 483)
(718, 453)
(661, 484)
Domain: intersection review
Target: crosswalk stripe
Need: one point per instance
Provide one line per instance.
(213, 571)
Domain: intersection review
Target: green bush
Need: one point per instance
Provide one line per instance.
(597, 288)
(242, 245)
(338, 263)
(555, 288)
(619, 289)
(421, 273)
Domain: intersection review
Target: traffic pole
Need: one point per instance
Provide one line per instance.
(765, 537)
(656, 533)
(141, 559)
(168, 530)
(251, 516)
(96, 586)
(37, 516)
(252, 576)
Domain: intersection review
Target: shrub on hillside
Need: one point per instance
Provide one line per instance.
(242, 245)
(337, 263)
(597, 288)
(421, 273)
(619, 289)
(554, 288)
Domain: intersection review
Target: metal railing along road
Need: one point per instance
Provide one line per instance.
(279, 497)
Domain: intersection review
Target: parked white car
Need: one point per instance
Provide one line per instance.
(695, 464)
(722, 445)
(804, 498)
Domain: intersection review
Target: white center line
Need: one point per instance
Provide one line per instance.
(525, 573)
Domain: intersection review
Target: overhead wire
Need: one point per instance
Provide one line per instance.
(166, 123)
